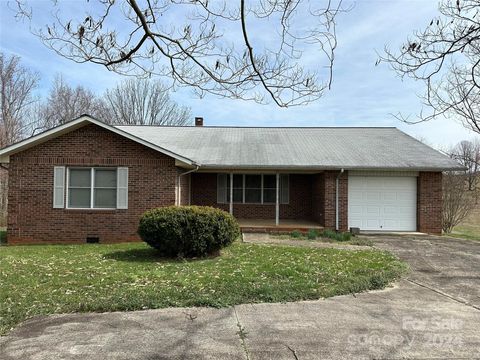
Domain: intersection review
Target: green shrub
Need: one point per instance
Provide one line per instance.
(3, 237)
(330, 234)
(296, 234)
(337, 236)
(188, 231)
(344, 236)
(312, 234)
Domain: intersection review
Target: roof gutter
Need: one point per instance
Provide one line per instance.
(179, 192)
(336, 199)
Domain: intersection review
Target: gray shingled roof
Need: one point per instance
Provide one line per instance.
(301, 148)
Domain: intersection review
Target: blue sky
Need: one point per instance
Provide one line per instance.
(362, 94)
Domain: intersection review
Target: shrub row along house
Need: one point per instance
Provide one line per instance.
(86, 181)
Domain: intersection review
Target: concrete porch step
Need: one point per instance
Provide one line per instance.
(258, 226)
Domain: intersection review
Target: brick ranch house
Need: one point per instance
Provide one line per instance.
(86, 181)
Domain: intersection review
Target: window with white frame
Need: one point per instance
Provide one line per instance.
(252, 185)
(253, 188)
(92, 188)
(270, 189)
(237, 188)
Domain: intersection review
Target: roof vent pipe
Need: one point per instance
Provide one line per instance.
(198, 121)
(336, 199)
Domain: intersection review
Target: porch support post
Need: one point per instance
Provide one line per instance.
(231, 193)
(277, 200)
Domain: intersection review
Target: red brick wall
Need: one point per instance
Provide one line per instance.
(204, 192)
(318, 198)
(325, 199)
(429, 202)
(31, 216)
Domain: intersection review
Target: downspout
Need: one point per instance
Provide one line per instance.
(179, 192)
(336, 199)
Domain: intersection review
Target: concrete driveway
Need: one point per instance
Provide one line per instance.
(431, 314)
(448, 266)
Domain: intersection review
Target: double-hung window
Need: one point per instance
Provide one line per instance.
(79, 188)
(253, 188)
(270, 189)
(237, 188)
(104, 188)
(92, 188)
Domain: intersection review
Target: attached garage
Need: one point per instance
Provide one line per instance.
(382, 203)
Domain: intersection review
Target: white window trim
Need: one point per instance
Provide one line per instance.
(92, 187)
(243, 202)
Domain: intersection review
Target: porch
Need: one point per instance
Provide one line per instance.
(269, 202)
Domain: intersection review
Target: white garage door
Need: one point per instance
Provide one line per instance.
(382, 203)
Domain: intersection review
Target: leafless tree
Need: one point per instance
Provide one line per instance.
(143, 102)
(445, 55)
(208, 46)
(65, 103)
(458, 202)
(17, 85)
(467, 153)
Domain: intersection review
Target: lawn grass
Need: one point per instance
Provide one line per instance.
(40, 280)
(470, 228)
(466, 232)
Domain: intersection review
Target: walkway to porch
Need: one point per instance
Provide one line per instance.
(267, 225)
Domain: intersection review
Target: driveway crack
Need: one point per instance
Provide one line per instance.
(464, 302)
(293, 352)
(242, 334)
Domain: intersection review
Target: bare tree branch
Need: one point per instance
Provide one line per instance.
(143, 102)
(206, 45)
(458, 202)
(132, 102)
(17, 85)
(65, 103)
(445, 56)
(467, 153)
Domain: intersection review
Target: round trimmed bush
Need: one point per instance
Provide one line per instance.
(188, 231)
